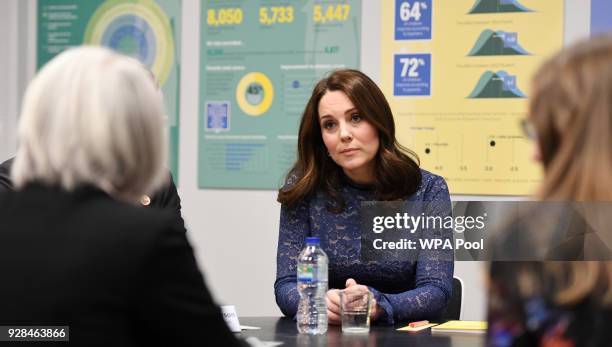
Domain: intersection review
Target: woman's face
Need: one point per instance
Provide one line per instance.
(352, 142)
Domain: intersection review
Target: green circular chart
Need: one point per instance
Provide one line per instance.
(138, 28)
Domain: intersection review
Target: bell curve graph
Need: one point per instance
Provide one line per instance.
(497, 6)
(499, 42)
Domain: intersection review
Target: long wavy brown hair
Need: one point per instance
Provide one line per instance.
(397, 173)
(571, 111)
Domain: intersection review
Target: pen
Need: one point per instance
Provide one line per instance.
(418, 324)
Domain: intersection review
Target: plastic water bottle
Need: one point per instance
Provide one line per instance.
(312, 286)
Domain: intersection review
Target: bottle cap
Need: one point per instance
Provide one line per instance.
(312, 240)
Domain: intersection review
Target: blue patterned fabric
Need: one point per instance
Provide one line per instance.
(406, 290)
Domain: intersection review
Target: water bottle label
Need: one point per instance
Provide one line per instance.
(306, 273)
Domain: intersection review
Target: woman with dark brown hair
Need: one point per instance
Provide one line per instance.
(348, 154)
(567, 302)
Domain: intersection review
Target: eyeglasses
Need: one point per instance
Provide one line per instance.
(529, 129)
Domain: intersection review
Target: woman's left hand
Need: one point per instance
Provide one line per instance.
(333, 306)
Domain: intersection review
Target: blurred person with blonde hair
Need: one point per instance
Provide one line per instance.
(75, 248)
(566, 302)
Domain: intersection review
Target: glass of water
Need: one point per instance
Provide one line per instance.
(355, 311)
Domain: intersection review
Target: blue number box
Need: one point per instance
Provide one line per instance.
(412, 74)
(411, 23)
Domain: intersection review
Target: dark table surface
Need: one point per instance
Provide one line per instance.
(284, 330)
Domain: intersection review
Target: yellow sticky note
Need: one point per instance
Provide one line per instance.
(461, 326)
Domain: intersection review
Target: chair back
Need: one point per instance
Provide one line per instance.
(453, 310)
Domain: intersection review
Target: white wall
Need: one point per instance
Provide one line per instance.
(8, 77)
(17, 65)
(234, 232)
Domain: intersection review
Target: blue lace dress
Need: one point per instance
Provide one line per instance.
(406, 290)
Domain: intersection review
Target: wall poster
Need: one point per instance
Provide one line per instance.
(259, 62)
(145, 29)
(457, 75)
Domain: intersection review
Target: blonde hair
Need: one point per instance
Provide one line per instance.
(92, 116)
(568, 282)
(571, 110)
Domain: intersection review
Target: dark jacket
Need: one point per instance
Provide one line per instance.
(116, 273)
(5, 175)
(165, 197)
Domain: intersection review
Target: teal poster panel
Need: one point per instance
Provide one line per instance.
(145, 29)
(259, 62)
